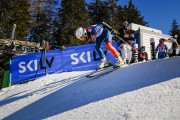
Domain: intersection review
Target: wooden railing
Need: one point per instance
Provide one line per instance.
(9, 42)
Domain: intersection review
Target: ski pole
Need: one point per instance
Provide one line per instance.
(129, 45)
(115, 31)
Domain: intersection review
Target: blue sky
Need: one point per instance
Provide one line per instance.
(158, 13)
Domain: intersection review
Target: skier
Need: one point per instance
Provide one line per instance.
(100, 33)
(127, 35)
(161, 49)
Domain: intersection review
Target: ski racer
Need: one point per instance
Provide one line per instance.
(100, 33)
(161, 49)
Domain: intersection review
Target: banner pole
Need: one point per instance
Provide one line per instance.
(10, 82)
(45, 61)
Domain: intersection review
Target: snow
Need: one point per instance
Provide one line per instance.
(141, 91)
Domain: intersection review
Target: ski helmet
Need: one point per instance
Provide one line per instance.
(143, 48)
(161, 40)
(81, 33)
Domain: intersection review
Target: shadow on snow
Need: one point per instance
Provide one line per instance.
(86, 91)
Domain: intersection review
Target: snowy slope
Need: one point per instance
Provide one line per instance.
(148, 90)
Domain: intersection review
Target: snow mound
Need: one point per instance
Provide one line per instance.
(147, 90)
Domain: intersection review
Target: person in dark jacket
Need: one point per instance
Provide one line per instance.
(127, 35)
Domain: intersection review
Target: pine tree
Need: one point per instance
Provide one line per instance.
(99, 11)
(73, 14)
(43, 14)
(113, 13)
(121, 17)
(14, 12)
(175, 30)
(133, 15)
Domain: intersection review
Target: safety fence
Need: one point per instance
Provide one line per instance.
(78, 58)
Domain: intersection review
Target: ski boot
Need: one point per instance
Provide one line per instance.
(104, 63)
(119, 62)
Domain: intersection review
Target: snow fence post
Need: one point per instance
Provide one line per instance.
(135, 53)
(153, 52)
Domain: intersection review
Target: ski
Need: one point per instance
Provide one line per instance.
(102, 72)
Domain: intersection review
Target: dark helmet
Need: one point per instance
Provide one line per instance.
(143, 48)
(161, 40)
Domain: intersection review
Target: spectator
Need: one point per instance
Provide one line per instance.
(174, 50)
(161, 49)
(127, 35)
(143, 54)
(47, 46)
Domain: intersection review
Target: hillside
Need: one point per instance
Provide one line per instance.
(147, 90)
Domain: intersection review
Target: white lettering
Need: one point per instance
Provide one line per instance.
(28, 65)
(21, 65)
(73, 57)
(35, 64)
(84, 57)
(89, 56)
(81, 58)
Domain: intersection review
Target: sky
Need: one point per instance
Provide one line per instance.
(158, 13)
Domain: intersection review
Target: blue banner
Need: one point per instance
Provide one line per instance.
(78, 58)
(31, 66)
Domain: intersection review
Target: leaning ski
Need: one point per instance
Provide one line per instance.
(102, 72)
